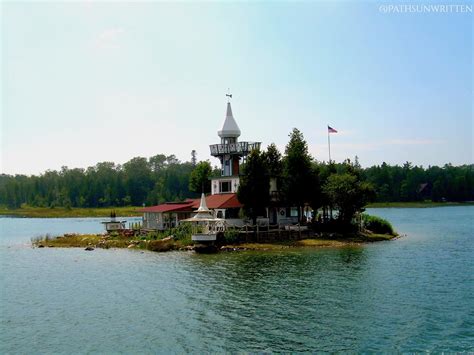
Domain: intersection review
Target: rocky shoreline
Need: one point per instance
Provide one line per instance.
(91, 242)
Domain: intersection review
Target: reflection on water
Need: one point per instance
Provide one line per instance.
(283, 301)
(412, 294)
(352, 255)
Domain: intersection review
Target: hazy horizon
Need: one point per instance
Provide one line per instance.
(215, 164)
(88, 82)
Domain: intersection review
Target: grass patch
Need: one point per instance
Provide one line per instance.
(304, 243)
(110, 241)
(67, 241)
(87, 240)
(329, 240)
(62, 212)
(378, 237)
(322, 243)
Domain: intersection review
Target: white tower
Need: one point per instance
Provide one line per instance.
(229, 152)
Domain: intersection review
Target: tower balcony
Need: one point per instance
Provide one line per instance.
(239, 148)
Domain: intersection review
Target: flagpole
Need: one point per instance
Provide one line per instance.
(329, 145)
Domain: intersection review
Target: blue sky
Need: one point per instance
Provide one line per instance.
(84, 82)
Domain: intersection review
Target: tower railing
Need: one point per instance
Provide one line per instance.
(240, 148)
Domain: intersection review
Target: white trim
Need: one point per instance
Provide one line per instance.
(203, 237)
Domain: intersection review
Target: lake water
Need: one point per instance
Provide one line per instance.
(412, 294)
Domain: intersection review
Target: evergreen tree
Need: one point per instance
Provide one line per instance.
(298, 176)
(254, 188)
(274, 161)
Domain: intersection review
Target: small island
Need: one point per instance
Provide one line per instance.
(258, 199)
(184, 243)
(371, 229)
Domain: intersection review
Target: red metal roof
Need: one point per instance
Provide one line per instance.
(222, 201)
(212, 201)
(169, 207)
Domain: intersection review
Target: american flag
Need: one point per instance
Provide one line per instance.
(331, 130)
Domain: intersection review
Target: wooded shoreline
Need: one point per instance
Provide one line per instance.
(61, 212)
(163, 178)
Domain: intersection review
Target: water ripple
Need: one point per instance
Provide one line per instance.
(414, 294)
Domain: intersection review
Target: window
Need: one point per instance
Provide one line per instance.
(226, 186)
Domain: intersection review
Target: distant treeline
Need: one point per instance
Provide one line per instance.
(414, 183)
(140, 180)
(164, 178)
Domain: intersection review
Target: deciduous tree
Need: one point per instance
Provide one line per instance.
(348, 194)
(199, 180)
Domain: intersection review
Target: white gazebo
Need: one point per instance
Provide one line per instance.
(207, 225)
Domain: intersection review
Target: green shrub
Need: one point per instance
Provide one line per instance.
(377, 225)
(183, 231)
(231, 235)
(155, 235)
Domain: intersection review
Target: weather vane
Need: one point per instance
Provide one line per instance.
(229, 95)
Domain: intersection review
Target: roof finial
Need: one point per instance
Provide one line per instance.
(230, 128)
(229, 95)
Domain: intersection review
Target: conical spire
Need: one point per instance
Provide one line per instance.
(229, 111)
(202, 212)
(230, 127)
(203, 205)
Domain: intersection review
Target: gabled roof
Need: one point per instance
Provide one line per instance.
(220, 201)
(190, 205)
(230, 127)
